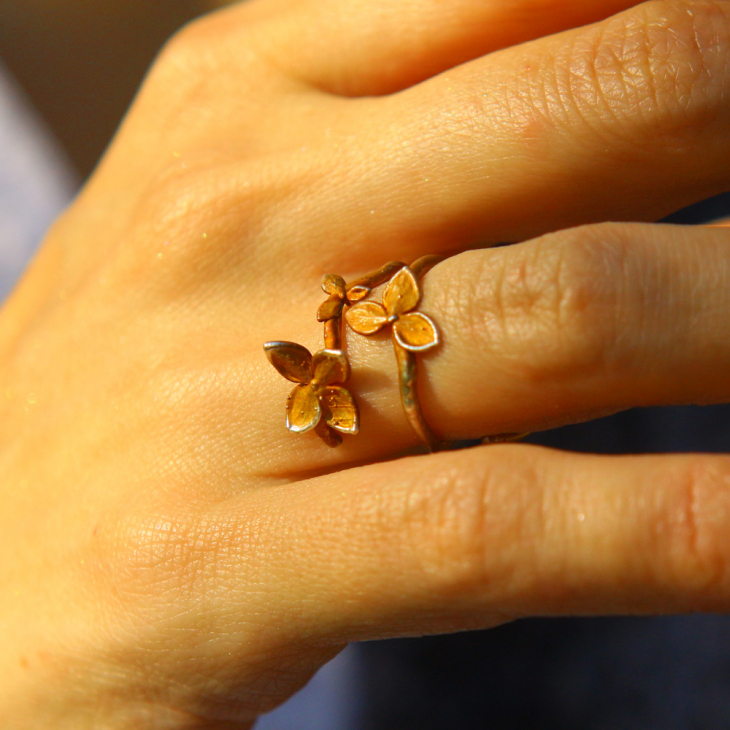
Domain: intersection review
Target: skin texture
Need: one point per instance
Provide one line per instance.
(172, 557)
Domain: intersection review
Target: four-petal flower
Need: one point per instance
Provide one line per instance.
(338, 296)
(319, 399)
(413, 331)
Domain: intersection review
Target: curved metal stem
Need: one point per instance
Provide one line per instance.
(408, 381)
(333, 333)
(377, 277)
(420, 267)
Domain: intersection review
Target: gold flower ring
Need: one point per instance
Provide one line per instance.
(320, 401)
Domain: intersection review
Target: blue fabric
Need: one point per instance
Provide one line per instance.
(331, 701)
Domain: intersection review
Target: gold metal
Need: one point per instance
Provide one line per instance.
(420, 267)
(332, 309)
(361, 287)
(408, 383)
(320, 402)
(413, 332)
(504, 438)
(333, 334)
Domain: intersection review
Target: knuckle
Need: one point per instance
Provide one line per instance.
(153, 559)
(198, 60)
(185, 53)
(460, 526)
(553, 306)
(164, 559)
(183, 204)
(200, 220)
(659, 68)
(194, 224)
(581, 293)
(691, 534)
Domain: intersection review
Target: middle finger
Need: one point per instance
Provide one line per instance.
(626, 119)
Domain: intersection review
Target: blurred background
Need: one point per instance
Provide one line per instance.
(81, 61)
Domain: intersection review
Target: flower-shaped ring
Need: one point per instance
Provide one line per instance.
(413, 331)
(339, 295)
(319, 400)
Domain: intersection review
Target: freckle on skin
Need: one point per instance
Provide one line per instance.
(24, 663)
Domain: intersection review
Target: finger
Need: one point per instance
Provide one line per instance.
(370, 48)
(465, 539)
(623, 120)
(578, 324)
(558, 330)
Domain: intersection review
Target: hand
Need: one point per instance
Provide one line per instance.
(172, 556)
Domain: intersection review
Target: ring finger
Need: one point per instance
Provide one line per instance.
(565, 328)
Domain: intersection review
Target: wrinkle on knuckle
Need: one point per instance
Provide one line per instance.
(554, 306)
(691, 534)
(461, 524)
(458, 294)
(586, 304)
(165, 561)
(195, 226)
(445, 527)
(654, 73)
(160, 558)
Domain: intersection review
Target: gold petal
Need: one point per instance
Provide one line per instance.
(303, 409)
(330, 437)
(416, 332)
(293, 361)
(366, 318)
(340, 409)
(330, 366)
(333, 284)
(357, 292)
(402, 293)
(330, 309)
